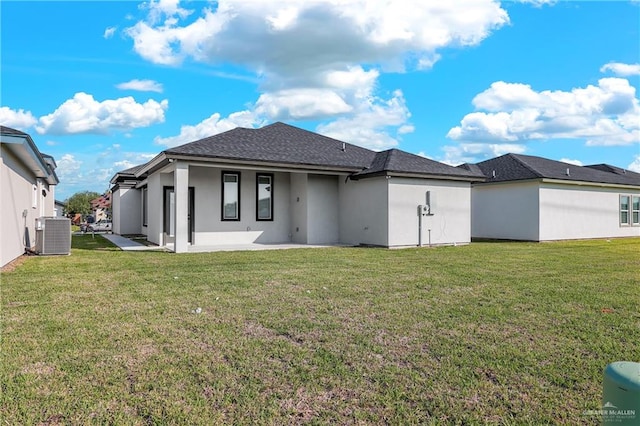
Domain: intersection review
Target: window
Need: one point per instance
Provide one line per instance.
(624, 210)
(145, 208)
(635, 210)
(230, 196)
(264, 197)
(34, 199)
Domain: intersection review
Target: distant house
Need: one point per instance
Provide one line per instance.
(27, 183)
(58, 208)
(537, 199)
(281, 184)
(101, 207)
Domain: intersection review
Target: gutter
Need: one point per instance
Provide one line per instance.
(562, 182)
(420, 176)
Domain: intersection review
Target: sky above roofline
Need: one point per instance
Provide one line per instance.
(459, 81)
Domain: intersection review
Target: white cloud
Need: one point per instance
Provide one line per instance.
(305, 103)
(539, 3)
(115, 158)
(209, 127)
(373, 124)
(19, 119)
(606, 114)
(141, 86)
(307, 55)
(621, 69)
(286, 35)
(83, 114)
(109, 32)
(471, 152)
(570, 161)
(69, 169)
(635, 165)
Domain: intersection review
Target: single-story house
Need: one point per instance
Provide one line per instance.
(537, 199)
(27, 183)
(282, 184)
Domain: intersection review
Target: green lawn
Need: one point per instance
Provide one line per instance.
(515, 333)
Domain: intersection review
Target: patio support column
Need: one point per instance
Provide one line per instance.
(181, 189)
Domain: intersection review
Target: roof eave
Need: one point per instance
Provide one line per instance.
(589, 183)
(562, 182)
(435, 176)
(25, 149)
(156, 163)
(209, 161)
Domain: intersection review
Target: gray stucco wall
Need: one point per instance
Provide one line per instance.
(575, 212)
(17, 195)
(506, 211)
(363, 215)
(450, 222)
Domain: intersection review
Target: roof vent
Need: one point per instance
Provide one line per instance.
(568, 174)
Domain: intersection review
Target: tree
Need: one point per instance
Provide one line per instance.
(80, 202)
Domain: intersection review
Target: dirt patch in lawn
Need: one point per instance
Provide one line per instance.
(11, 266)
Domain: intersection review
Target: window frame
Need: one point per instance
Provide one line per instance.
(145, 206)
(627, 210)
(222, 195)
(635, 221)
(271, 179)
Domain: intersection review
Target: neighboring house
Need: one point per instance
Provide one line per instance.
(281, 184)
(537, 199)
(27, 182)
(101, 207)
(59, 208)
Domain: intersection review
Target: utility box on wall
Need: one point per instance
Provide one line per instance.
(53, 235)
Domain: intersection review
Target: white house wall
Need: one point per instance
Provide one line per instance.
(363, 215)
(322, 210)
(210, 229)
(450, 222)
(575, 212)
(115, 209)
(128, 203)
(505, 211)
(20, 192)
(155, 196)
(299, 205)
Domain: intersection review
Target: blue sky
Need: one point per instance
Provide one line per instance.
(103, 86)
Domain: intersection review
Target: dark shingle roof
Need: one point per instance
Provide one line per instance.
(395, 160)
(278, 143)
(131, 171)
(9, 131)
(613, 169)
(512, 167)
(472, 168)
(284, 144)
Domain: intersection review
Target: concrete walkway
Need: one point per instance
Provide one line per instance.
(130, 245)
(127, 244)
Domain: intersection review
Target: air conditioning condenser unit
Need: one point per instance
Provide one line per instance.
(53, 235)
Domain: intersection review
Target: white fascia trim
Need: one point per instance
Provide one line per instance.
(596, 184)
(255, 165)
(24, 148)
(155, 162)
(433, 177)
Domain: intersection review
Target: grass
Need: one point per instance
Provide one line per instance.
(510, 333)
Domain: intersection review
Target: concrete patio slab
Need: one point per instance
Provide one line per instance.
(127, 244)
